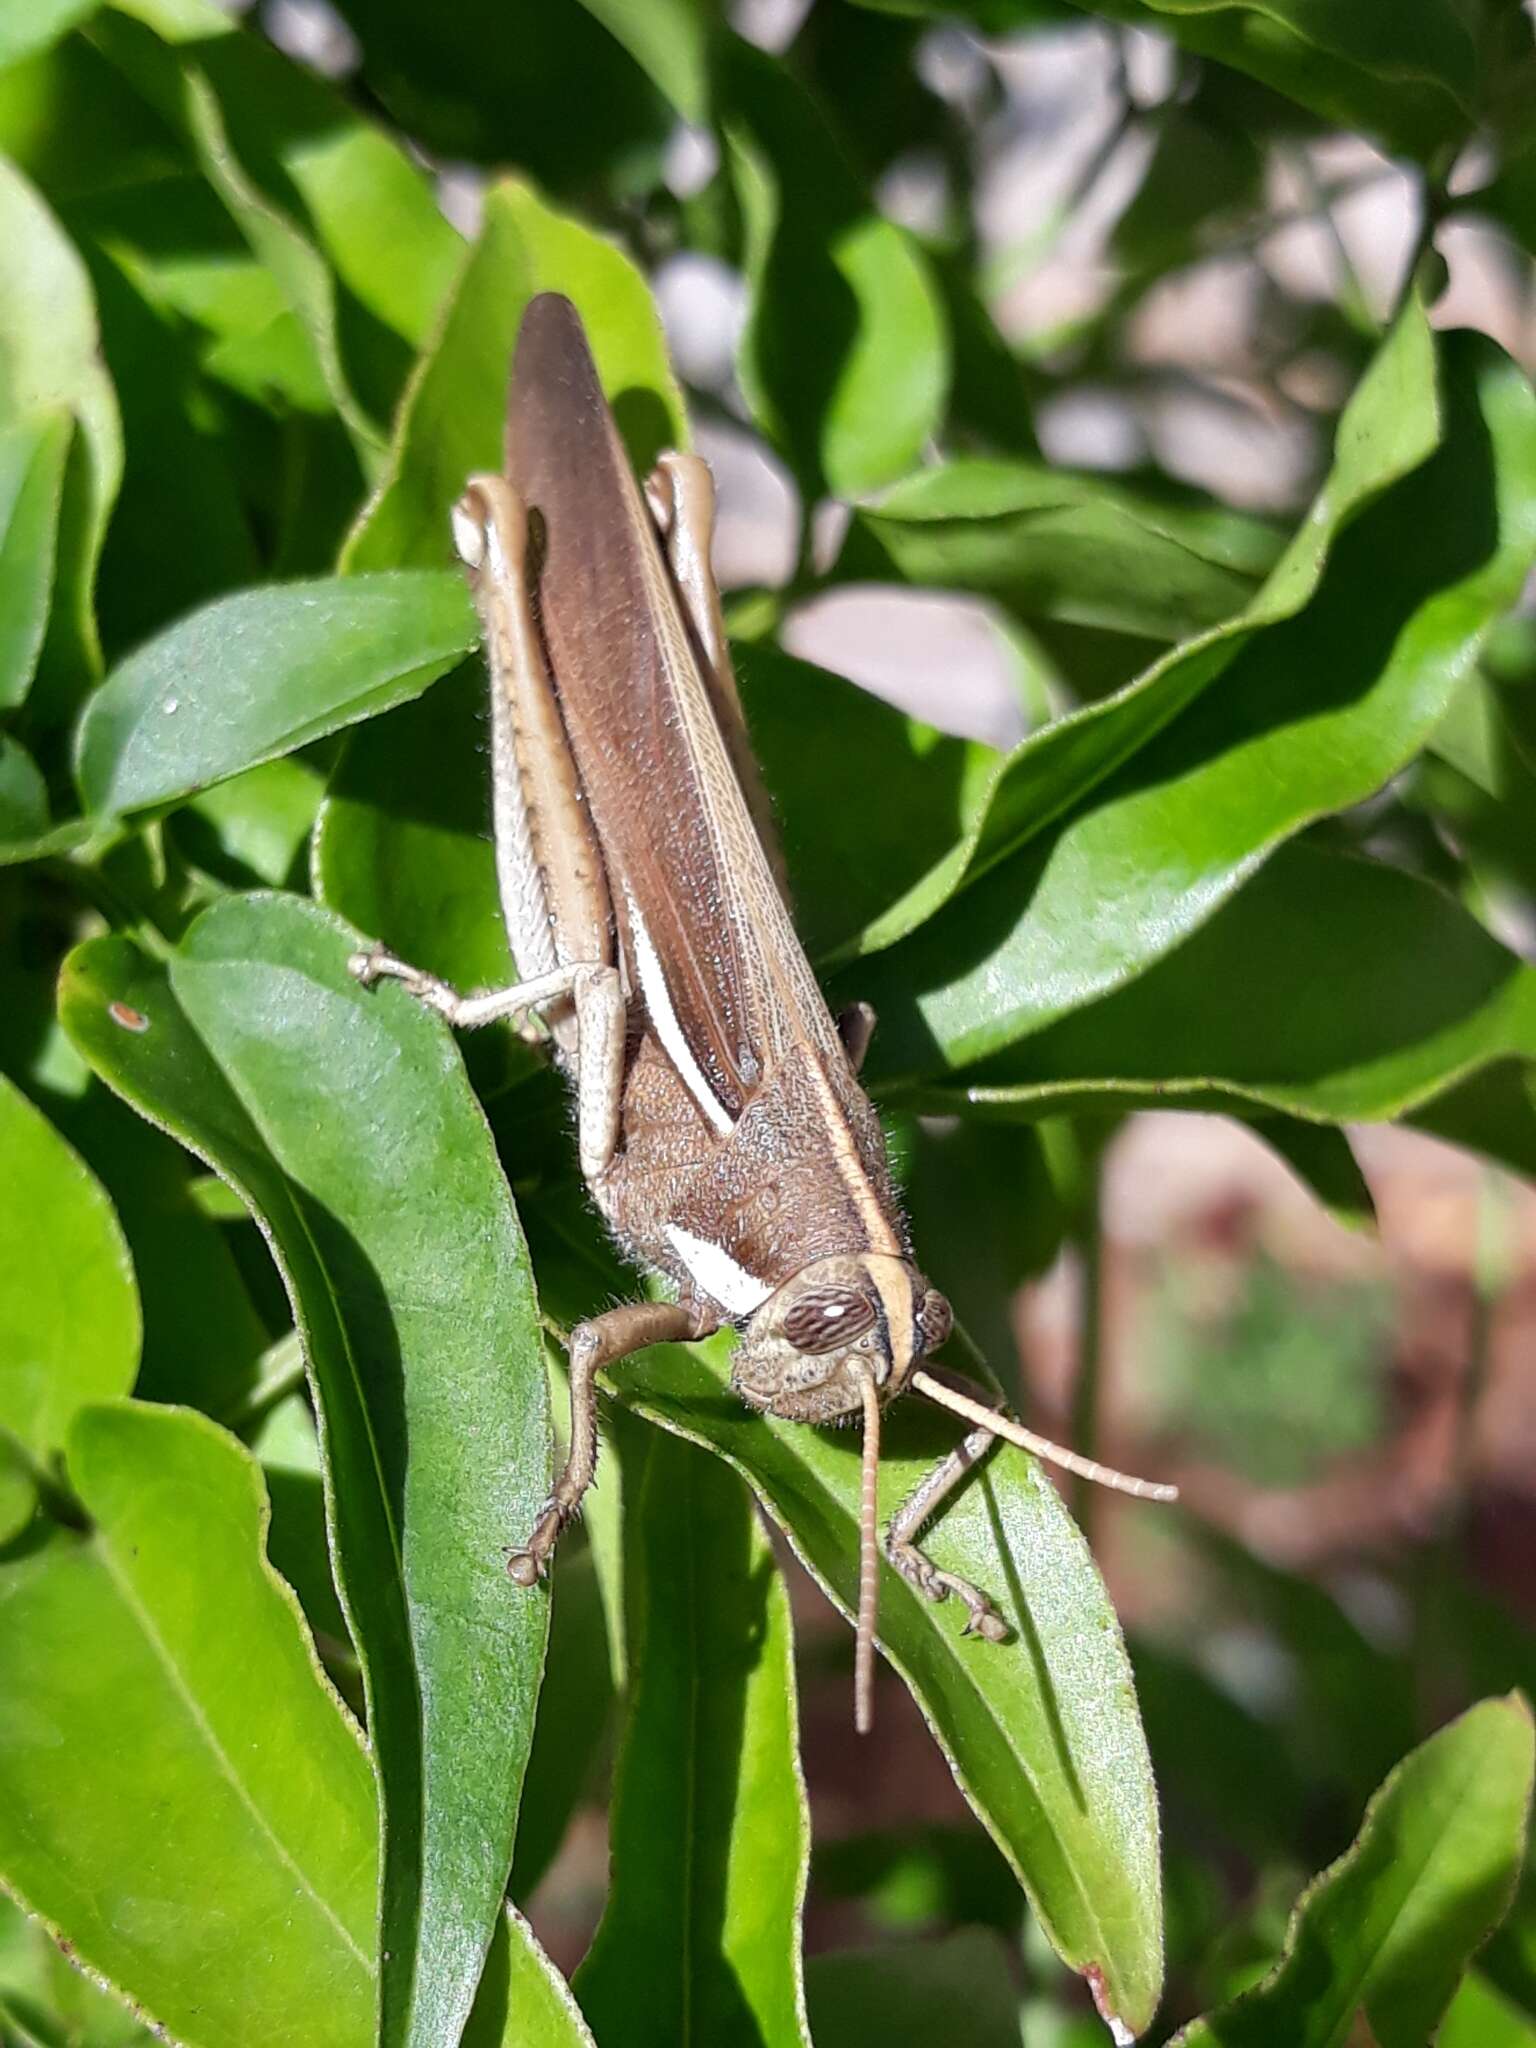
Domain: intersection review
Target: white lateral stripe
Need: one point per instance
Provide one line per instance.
(736, 1290)
(658, 1000)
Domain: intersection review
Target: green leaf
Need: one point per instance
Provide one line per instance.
(1050, 545)
(957, 1988)
(1406, 71)
(51, 2004)
(180, 533)
(575, 1708)
(69, 1310)
(23, 795)
(50, 358)
(18, 1490)
(1390, 427)
(1480, 2018)
(562, 98)
(342, 1117)
(1324, 1162)
(523, 2000)
(216, 1862)
(929, 786)
(1041, 1731)
(1312, 715)
(345, 188)
(261, 673)
(32, 452)
(1384, 1935)
(709, 1836)
(857, 410)
(1364, 993)
(403, 845)
(669, 39)
(453, 417)
(31, 25)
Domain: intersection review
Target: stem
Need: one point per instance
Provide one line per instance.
(1083, 1422)
(1435, 1634)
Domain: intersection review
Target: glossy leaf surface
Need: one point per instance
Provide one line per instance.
(258, 674)
(227, 1789)
(342, 1116)
(69, 1309)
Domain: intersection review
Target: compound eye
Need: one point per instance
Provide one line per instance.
(827, 1318)
(935, 1318)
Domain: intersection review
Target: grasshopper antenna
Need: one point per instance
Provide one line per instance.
(960, 1403)
(869, 1564)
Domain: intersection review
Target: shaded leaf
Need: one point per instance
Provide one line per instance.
(1406, 71)
(69, 1309)
(1331, 988)
(575, 1706)
(49, 346)
(227, 1791)
(1052, 545)
(454, 413)
(710, 1835)
(342, 1117)
(345, 187)
(844, 359)
(32, 452)
(1389, 428)
(49, 2002)
(1312, 715)
(181, 534)
(1324, 1162)
(403, 845)
(561, 97)
(669, 39)
(23, 795)
(850, 856)
(261, 673)
(1384, 1935)
(960, 1987)
(1041, 1731)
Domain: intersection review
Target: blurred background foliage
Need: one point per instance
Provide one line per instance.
(1130, 400)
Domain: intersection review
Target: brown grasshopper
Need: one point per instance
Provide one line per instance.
(722, 1130)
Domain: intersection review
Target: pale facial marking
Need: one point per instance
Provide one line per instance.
(469, 537)
(717, 1273)
(658, 1000)
(895, 1289)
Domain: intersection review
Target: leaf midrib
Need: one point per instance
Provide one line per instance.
(161, 1650)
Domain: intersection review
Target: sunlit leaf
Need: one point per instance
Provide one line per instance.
(261, 673)
(216, 1862)
(32, 452)
(854, 411)
(69, 1310)
(453, 418)
(1042, 1731)
(342, 1116)
(49, 345)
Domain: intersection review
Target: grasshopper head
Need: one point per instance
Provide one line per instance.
(811, 1348)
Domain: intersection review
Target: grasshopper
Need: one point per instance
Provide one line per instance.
(721, 1127)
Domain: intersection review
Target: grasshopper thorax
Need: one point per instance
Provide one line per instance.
(812, 1346)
